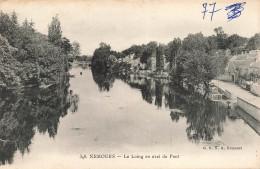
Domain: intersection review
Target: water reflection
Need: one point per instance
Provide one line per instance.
(103, 80)
(24, 111)
(204, 118)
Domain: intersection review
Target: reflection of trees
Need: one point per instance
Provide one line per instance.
(147, 91)
(22, 111)
(175, 116)
(175, 98)
(158, 94)
(73, 100)
(7, 150)
(146, 88)
(104, 80)
(205, 118)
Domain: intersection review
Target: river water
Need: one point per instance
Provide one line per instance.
(137, 118)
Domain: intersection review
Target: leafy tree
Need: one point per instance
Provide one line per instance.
(159, 58)
(26, 32)
(149, 51)
(211, 44)
(194, 42)
(116, 54)
(198, 69)
(195, 63)
(54, 31)
(221, 38)
(75, 49)
(9, 27)
(9, 73)
(253, 43)
(100, 56)
(65, 45)
(174, 49)
(236, 43)
(136, 49)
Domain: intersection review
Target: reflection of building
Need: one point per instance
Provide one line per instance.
(153, 61)
(166, 64)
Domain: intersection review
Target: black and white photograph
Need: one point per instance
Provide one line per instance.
(140, 84)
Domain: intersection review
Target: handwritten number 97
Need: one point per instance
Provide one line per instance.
(234, 10)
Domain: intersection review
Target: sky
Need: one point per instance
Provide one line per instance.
(122, 23)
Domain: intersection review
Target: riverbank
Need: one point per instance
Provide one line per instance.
(240, 97)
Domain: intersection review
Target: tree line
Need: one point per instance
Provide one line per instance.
(195, 60)
(31, 58)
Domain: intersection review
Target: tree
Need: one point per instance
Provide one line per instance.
(198, 69)
(236, 43)
(221, 38)
(212, 44)
(136, 49)
(65, 45)
(9, 66)
(149, 51)
(75, 49)
(26, 32)
(100, 57)
(253, 43)
(173, 48)
(159, 58)
(9, 27)
(194, 42)
(54, 31)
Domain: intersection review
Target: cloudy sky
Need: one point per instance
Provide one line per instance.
(123, 23)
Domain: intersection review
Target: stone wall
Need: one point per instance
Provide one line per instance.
(252, 110)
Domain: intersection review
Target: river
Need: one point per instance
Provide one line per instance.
(134, 118)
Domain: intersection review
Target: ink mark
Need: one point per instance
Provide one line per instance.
(205, 7)
(236, 10)
(212, 12)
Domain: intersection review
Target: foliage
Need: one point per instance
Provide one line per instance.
(159, 58)
(253, 43)
(9, 27)
(9, 66)
(236, 44)
(194, 61)
(221, 38)
(25, 111)
(100, 57)
(75, 49)
(38, 59)
(136, 49)
(173, 51)
(54, 31)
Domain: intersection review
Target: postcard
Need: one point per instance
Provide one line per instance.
(129, 84)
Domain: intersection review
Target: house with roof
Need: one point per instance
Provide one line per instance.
(238, 68)
(244, 70)
(255, 76)
(255, 71)
(133, 61)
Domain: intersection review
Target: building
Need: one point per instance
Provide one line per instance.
(255, 77)
(244, 70)
(238, 68)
